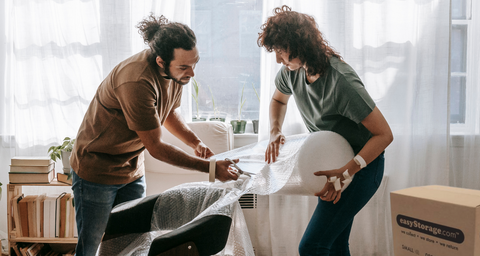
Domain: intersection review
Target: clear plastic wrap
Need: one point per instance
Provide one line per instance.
(292, 173)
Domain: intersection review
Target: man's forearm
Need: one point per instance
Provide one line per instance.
(177, 126)
(175, 156)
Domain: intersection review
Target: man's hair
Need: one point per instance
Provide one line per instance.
(163, 37)
(298, 34)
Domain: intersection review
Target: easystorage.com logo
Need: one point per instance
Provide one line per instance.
(429, 228)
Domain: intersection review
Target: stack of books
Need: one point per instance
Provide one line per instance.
(44, 215)
(26, 170)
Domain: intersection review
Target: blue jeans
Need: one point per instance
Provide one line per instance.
(329, 228)
(93, 203)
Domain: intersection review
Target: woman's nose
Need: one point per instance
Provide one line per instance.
(279, 58)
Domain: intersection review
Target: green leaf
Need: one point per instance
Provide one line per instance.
(242, 102)
(256, 93)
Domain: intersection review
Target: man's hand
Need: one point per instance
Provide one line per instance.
(202, 151)
(273, 147)
(328, 193)
(224, 172)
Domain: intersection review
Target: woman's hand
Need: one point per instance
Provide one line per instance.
(202, 151)
(273, 147)
(328, 193)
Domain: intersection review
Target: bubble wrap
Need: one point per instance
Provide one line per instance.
(291, 174)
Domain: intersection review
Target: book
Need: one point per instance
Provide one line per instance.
(32, 169)
(16, 215)
(39, 204)
(22, 247)
(63, 215)
(73, 223)
(75, 230)
(31, 161)
(32, 216)
(62, 177)
(68, 219)
(17, 250)
(57, 214)
(34, 249)
(49, 216)
(23, 211)
(19, 177)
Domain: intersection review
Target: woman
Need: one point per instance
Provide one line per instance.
(330, 97)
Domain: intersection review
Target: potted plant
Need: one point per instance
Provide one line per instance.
(62, 152)
(255, 122)
(239, 124)
(215, 110)
(196, 87)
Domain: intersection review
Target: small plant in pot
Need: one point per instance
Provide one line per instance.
(63, 152)
(239, 125)
(215, 117)
(196, 87)
(255, 122)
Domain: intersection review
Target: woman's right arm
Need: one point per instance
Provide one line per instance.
(278, 108)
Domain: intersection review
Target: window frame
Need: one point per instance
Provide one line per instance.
(469, 87)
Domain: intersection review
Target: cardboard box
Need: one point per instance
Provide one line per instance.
(436, 221)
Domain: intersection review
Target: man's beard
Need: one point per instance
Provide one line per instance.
(169, 74)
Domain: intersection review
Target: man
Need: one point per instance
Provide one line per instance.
(125, 117)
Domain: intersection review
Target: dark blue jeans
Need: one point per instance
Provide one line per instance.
(329, 228)
(93, 203)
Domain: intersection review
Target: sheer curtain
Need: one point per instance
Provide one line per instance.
(400, 49)
(58, 52)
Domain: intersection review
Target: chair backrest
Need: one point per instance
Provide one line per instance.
(130, 222)
(178, 206)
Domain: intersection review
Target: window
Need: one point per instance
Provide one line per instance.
(461, 18)
(227, 34)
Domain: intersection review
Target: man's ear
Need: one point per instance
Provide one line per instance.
(160, 62)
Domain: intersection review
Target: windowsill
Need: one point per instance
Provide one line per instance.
(246, 135)
(240, 140)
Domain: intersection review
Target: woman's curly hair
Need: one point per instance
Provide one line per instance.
(298, 34)
(163, 37)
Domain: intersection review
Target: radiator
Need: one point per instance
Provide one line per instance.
(248, 203)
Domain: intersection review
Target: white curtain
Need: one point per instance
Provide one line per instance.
(58, 52)
(400, 49)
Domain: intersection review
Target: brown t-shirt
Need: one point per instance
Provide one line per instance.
(133, 97)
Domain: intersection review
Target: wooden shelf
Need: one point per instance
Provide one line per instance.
(51, 240)
(53, 183)
(14, 189)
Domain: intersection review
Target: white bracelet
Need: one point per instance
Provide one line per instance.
(211, 169)
(360, 161)
(336, 183)
(347, 177)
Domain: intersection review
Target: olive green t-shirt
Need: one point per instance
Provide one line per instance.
(133, 97)
(336, 102)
